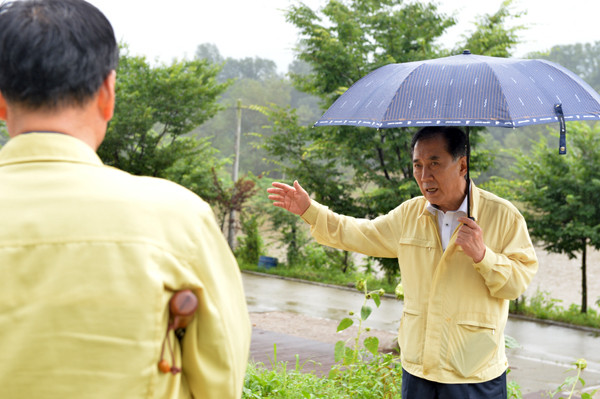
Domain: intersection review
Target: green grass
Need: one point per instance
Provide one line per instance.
(379, 379)
(542, 307)
(325, 275)
(279, 382)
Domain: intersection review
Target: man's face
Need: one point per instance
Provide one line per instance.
(440, 178)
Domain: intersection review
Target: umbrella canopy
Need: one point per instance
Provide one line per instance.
(465, 90)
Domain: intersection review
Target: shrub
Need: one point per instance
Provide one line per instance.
(251, 245)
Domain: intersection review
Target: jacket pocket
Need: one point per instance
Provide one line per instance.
(410, 336)
(471, 346)
(417, 242)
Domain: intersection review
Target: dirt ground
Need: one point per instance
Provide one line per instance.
(318, 329)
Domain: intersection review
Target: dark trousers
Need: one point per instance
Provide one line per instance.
(418, 388)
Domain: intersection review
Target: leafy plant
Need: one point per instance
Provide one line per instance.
(571, 381)
(354, 362)
(251, 245)
(352, 355)
(231, 196)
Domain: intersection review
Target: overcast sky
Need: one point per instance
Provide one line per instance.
(163, 30)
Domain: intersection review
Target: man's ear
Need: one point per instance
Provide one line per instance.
(463, 165)
(3, 108)
(106, 96)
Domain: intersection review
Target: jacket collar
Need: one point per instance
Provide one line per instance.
(475, 196)
(47, 147)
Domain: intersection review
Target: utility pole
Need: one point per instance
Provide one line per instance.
(236, 167)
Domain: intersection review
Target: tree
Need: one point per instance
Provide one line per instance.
(231, 196)
(209, 52)
(311, 165)
(156, 107)
(255, 83)
(256, 68)
(581, 58)
(492, 37)
(305, 104)
(195, 170)
(560, 194)
(344, 41)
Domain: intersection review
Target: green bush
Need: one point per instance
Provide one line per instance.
(250, 246)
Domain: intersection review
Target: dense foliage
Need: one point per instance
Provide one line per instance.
(360, 171)
(560, 195)
(156, 107)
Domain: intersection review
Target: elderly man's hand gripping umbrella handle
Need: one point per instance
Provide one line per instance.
(294, 199)
(470, 238)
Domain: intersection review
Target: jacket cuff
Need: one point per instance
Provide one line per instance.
(311, 213)
(487, 263)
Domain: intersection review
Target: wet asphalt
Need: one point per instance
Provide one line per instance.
(541, 363)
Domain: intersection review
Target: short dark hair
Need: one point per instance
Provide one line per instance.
(456, 139)
(54, 52)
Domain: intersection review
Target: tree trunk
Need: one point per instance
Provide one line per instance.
(346, 255)
(382, 158)
(292, 253)
(584, 277)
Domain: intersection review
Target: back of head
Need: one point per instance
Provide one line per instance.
(54, 52)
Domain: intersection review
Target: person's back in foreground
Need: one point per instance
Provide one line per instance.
(89, 255)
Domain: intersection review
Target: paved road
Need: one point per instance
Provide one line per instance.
(540, 365)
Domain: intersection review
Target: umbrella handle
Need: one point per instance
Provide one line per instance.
(469, 174)
(562, 143)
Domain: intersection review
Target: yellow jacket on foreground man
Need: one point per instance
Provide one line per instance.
(90, 256)
(84, 296)
(452, 328)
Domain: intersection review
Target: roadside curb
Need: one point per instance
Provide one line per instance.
(299, 280)
(592, 330)
(554, 323)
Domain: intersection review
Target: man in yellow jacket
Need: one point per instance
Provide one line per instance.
(458, 274)
(90, 256)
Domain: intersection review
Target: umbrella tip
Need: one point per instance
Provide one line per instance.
(466, 51)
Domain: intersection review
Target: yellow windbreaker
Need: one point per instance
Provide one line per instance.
(455, 311)
(89, 258)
